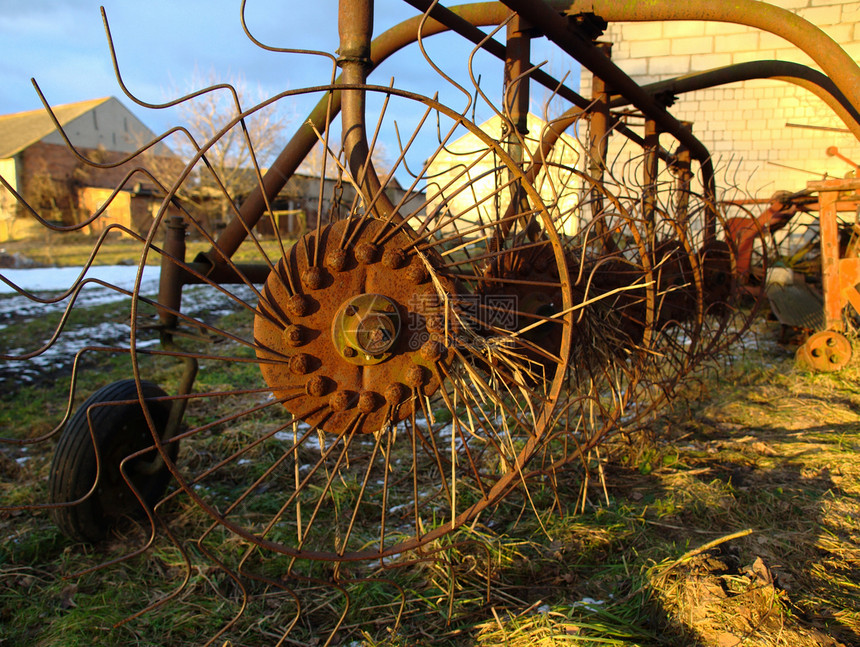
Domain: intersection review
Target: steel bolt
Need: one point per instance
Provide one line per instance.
(301, 364)
(416, 272)
(336, 260)
(351, 310)
(298, 306)
(317, 386)
(367, 401)
(312, 278)
(435, 323)
(394, 393)
(433, 350)
(415, 376)
(431, 299)
(393, 258)
(366, 253)
(339, 401)
(294, 335)
(349, 351)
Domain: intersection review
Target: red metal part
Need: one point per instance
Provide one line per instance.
(746, 231)
(833, 151)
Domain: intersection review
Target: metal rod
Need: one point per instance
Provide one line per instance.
(556, 28)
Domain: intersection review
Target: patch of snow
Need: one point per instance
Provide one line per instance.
(588, 603)
(202, 302)
(60, 279)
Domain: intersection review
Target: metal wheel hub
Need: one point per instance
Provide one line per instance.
(825, 351)
(347, 333)
(365, 328)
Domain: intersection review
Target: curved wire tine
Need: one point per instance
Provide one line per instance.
(476, 82)
(68, 228)
(72, 387)
(436, 68)
(285, 631)
(135, 295)
(201, 156)
(214, 468)
(166, 598)
(64, 319)
(219, 518)
(265, 307)
(75, 287)
(283, 50)
(292, 451)
(328, 110)
(187, 97)
(194, 431)
(167, 104)
(238, 582)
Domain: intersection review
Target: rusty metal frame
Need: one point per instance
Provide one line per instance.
(840, 276)
(814, 42)
(837, 64)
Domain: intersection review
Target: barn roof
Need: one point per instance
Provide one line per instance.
(23, 129)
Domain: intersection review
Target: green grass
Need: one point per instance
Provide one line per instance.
(73, 249)
(762, 448)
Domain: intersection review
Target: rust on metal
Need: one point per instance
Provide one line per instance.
(364, 330)
(423, 357)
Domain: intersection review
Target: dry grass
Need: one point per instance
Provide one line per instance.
(659, 556)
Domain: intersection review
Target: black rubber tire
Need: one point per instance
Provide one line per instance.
(119, 431)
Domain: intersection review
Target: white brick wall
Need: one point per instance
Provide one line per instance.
(747, 121)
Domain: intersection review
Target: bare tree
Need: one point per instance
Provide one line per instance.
(229, 172)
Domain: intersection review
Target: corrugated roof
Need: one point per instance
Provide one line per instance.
(22, 129)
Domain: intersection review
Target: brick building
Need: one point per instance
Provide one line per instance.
(765, 135)
(37, 163)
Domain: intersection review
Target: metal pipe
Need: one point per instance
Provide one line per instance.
(598, 144)
(649, 176)
(355, 28)
(683, 178)
(795, 73)
(836, 63)
(517, 57)
(822, 49)
(172, 276)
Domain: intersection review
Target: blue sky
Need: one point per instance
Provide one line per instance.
(163, 44)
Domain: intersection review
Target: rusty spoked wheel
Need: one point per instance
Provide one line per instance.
(397, 370)
(659, 302)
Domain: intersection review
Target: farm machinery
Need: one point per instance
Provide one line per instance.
(447, 331)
